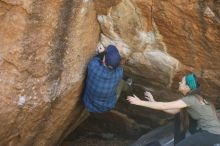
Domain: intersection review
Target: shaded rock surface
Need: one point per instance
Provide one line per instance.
(45, 47)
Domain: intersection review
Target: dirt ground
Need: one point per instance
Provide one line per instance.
(97, 142)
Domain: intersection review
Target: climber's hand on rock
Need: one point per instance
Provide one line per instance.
(134, 100)
(149, 96)
(101, 48)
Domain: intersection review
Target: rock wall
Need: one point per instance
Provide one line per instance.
(44, 48)
(163, 41)
(166, 39)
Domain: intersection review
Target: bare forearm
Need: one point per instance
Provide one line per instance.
(163, 106)
(172, 111)
(154, 105)
(169, 111)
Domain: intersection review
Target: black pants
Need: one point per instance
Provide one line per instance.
(201, 138)
(198, 138)
(180, 135)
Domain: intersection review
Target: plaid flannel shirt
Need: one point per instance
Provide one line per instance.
(101, 84)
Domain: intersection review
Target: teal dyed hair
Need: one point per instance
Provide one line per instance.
(191, 81)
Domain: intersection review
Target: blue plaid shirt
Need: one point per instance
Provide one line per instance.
(101, 86)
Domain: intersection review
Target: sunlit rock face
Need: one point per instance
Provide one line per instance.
(164, 40)
(45, 47)
(146, 53)
(190, 30)
(44, 50)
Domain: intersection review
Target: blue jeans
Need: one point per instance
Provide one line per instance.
(201, 138)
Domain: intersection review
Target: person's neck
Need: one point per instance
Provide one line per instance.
(185, 92)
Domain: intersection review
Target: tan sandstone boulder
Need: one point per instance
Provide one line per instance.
(44, 50)
(45, 47)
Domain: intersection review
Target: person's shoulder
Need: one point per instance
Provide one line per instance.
(119, 70)
(189, 99)
(190, 96)
(95, 61)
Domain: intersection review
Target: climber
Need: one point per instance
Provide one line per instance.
(199, 108)
(103, 76)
